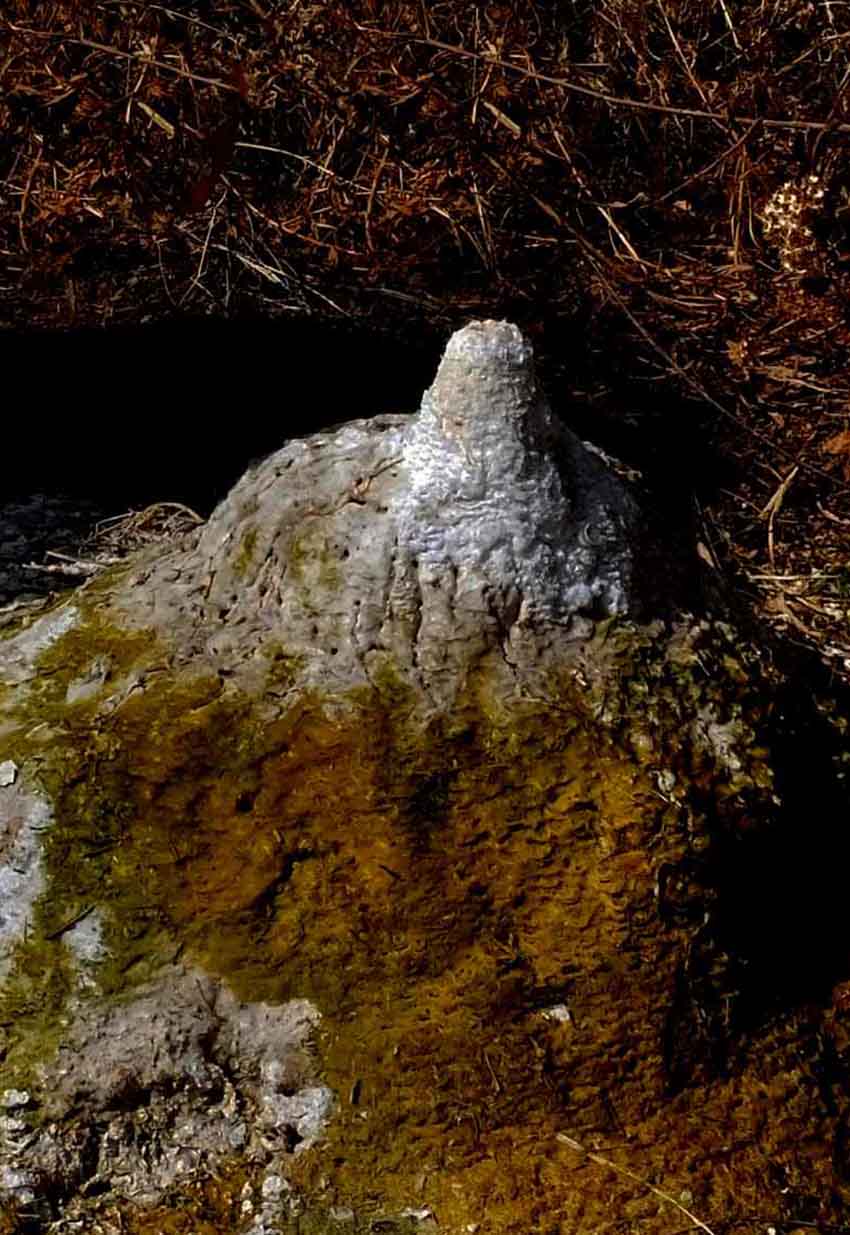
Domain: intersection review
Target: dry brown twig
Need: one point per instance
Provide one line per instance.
(600, 1160)
(74, 567)
(773, 507)
(120, 54)
(115, 537)
(25, 196)
(616, 100)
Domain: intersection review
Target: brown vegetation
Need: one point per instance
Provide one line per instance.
(656, 189)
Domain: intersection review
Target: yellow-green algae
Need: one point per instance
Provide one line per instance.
(247, 548)
(434, 892)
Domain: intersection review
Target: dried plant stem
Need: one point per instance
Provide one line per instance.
(773, 508)
(110, 50)
(616, 100)
(627, 1174)
(25, 200)
(595, 259)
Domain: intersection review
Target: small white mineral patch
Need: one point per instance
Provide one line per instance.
(666, 781)
(274, 1187)
(559, 1013)
(23, 817)
(306, 1112)
(8, 773)
(13, 1098)
(16, 1185)
(85, 940)
(44, 634)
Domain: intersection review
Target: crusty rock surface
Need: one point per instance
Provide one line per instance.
(159, 1088)
(480, 526)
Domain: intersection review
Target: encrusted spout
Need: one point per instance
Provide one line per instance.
(500, 491)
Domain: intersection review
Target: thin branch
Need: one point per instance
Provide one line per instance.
(109, 50)
(709, 167)
(730, 24)
(627, 1174)
(25, 201)
(173, 14)
(595, 258)
(680, 53)
(299, 158)
(615, 100)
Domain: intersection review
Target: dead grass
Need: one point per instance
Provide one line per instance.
(657, 189)
(160, 523)
(111, 541)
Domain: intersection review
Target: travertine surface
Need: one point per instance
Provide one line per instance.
(369, 850)
(478, 527)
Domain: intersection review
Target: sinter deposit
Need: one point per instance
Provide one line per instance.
(371, 853)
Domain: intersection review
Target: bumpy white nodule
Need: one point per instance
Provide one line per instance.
(500, 490)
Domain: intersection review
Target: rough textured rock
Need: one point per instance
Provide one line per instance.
(160, 1088)
(425, 542)
(372, 839)
(24, 813)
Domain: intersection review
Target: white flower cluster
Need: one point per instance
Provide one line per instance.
(786, 220)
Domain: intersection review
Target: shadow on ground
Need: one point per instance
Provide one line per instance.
(177, 410)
